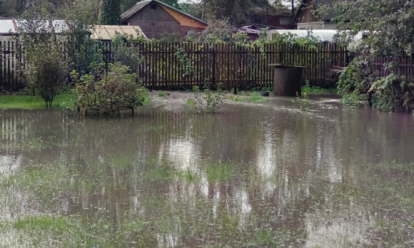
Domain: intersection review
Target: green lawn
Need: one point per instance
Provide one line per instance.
(35, 102)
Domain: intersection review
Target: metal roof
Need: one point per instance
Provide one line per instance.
(14, 26)
(106, 32)
(140, 5)
(321, 35)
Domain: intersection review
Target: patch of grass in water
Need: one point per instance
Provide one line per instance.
(316, 89)
(44, 223)
(220, 172)
(255, 97)
(35, 102)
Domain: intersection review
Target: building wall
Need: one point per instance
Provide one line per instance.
(157, 22)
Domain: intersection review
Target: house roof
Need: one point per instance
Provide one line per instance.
(317, 4)
(140, 5)
(106, 32)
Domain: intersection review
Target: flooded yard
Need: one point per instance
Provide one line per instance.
(278, 173)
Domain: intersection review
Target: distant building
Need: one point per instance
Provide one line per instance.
(157, 19)
(281, 18)
(11, 27)
(106, 32)
(306, 19)
(254, 30)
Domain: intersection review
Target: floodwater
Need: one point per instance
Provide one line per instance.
(279, 173)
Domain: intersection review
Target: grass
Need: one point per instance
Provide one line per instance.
(316, 89)
(161, 93)
(35, 102)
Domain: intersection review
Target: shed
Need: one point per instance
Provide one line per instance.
(157, 18)
(106, 32)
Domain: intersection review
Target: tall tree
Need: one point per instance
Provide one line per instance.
(110, 12)
(388, 25)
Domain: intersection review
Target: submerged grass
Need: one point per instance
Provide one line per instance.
(35, 102)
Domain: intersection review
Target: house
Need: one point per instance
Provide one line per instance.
(306, 19)
(270, 16)
(157, 19)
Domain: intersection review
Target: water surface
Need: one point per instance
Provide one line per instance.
(269, 174)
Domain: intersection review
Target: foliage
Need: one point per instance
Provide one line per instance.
(109, 92)
(208, 103)
(302, 102)
(45, 71)
(235, 11)
(388, 25)
(184, 60)
(217, 32)
(45, 65)
(356, 80)
(393, 93)
(110, 12)
(161, 93)
(126, 51)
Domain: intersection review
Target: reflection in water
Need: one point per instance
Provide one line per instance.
(265, 174)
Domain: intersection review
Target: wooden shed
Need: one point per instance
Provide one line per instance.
(157, 18)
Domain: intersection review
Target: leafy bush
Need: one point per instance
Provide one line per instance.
(45, 70)
(208, 103)
(392, 93)
(109, 92)
(356, 80)
(126, 51)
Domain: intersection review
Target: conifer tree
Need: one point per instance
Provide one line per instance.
(110, 12)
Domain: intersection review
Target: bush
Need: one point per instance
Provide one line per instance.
(208, 103)
(356, 80)
(392, 93)
(45, 70)
(109, 92)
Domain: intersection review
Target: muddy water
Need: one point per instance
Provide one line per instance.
(268, 174)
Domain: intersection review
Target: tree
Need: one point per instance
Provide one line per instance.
(388, 25)
(110, 12)
(387, 28)
(45, 65)
(233, 10)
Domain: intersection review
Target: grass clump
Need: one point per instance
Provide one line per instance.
(220, 172)
(161, 93)
(255, 97)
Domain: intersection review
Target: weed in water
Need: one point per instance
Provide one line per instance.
(161, 93)
(255, 97)
(220, 172)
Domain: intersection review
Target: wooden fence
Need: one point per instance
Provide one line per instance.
(172, 66)
(403, 66)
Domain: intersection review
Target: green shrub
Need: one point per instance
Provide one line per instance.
(45, 70)
(109, 92)
(356, 80)
(209, 102)
(392, 93)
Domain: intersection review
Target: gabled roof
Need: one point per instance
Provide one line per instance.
(317, 4)
(140, 5)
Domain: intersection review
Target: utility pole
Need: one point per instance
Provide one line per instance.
(204, 10)
(293, 13)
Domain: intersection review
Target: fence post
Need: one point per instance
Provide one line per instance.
(213, 83)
